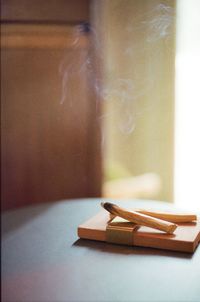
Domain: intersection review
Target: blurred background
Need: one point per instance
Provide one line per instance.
(100, 98)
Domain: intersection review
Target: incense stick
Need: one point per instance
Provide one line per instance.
(139, 218)
(171, 217)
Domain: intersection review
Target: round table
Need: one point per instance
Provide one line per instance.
(44, 260)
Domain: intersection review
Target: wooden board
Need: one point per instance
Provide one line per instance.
(185, 238)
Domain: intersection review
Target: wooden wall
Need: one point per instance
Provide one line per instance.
(50, 138)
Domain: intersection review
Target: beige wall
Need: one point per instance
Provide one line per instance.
(139, 87)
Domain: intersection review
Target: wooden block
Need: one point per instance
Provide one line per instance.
(185, 238)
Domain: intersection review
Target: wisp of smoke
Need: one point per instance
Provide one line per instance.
(123, 91)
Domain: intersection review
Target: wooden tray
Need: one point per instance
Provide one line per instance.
(185, 238)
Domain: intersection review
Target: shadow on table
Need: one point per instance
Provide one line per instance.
(128, 250)
(14, 219)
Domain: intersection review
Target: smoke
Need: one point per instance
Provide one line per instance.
(160, 25)
(73, 64)
(158, 20)
(123, 89)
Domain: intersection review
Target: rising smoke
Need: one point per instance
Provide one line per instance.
(123, 90)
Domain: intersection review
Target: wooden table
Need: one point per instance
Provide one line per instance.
(43, 260)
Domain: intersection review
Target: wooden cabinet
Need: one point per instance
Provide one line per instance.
(50, 138)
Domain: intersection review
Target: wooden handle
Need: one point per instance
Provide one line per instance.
(139, 218)
(172, 217)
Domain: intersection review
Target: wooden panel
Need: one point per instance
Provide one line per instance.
(43, 11)
(46, 129)
(42, 36)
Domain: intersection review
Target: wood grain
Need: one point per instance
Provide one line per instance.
(45, 11)
(139, 218)
(172, 217)
(41, 37)
(49, 120)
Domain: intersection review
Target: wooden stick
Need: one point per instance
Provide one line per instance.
(172, 217)
(140, 219)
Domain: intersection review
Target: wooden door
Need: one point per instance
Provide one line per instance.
(50, 145)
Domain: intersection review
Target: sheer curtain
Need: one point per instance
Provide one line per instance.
(187, 117)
